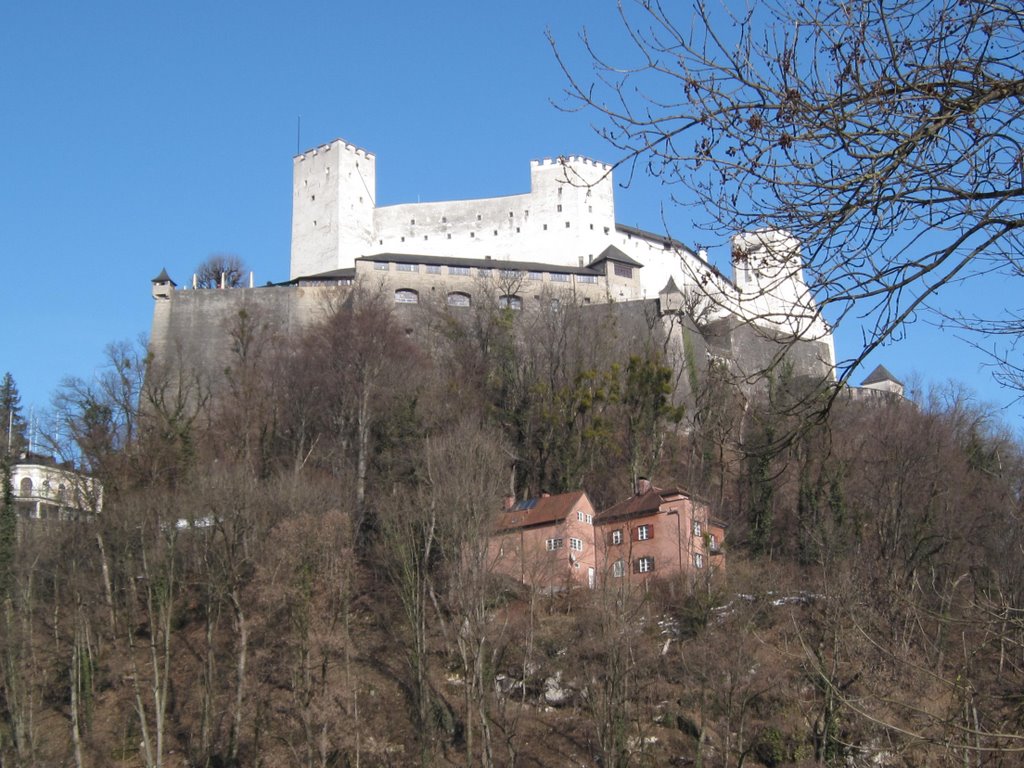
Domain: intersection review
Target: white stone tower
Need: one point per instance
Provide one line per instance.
(333, 198)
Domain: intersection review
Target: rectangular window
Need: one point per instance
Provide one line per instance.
(618, 569)
(643, 565)
(381, 266)
(463, 271)
(553, 544)
(433, 269)
(712, 542)
(697, 529)
(698, 560)
(644, 532)
(586, 278)
(623, 270)
(535, 276)
(579, 515)
(590, 519)
(576, 545)
(615, 537)
(510, 273)
(559, 277)
(484, 271)
(408, 267)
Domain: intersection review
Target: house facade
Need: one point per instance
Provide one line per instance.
(557, 542)
(656, 533)
(547, 542)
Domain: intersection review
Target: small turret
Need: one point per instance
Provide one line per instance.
(163, 286)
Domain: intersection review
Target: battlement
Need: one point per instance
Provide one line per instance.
(340, 144)
(563, 161)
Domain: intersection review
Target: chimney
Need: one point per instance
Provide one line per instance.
(643, 485)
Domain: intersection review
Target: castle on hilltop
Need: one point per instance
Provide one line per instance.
(559, 241)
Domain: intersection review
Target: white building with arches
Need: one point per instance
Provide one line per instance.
(47, 490)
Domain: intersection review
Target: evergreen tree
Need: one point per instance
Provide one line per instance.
(8, 527)
(11, 421)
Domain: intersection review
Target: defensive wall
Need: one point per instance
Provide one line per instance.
(557, 242)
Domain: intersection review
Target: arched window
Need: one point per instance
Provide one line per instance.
(459, 299)
(406, 296)
(510, 302)
(26, 486)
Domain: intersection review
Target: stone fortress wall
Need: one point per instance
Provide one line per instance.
(566, 219)
(558, 242)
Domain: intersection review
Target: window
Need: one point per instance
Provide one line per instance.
(643, 565)
(623, 270)
(586, 278)
(457, 299)
(698, 560)
(406, 296)
(697, 529)
(615, 537)
(433, 269)
(408, 267)
(712, 542)
(553, 544)
(618, 569)
(462, 271)
(559, 277)
(576, 545)
(579, 515)
(510, 302)
(644, 532)
(483, 271)
(26, 486)
(510, 273)
(381, 266)
(535, 275)
(559, 205)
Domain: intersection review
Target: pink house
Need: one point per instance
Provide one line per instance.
(547, 541)
(658, 532)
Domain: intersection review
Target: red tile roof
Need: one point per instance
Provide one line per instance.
(643, 503)
(542, 510)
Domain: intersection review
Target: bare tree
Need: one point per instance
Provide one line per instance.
(221, 270)
(884, 134)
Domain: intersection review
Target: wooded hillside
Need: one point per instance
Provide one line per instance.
(290, 566)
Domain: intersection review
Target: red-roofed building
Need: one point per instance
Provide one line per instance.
(658, 532)
(547, 541)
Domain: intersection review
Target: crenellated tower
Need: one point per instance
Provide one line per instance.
(334, 192)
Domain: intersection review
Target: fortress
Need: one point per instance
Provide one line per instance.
(559, 241)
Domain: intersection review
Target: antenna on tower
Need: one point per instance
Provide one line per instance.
(298, 134)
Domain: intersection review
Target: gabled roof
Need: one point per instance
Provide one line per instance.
(880, 374)
(542, 510)
(641, 504)
(611, 253)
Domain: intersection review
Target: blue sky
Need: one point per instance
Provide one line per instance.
(137, 136)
